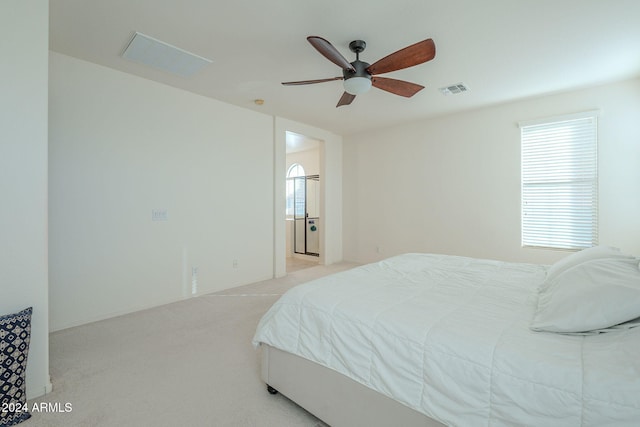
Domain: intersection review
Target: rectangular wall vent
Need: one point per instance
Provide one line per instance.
(163, 56)
(454, 89)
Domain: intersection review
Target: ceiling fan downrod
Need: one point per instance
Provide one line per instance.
(360, 67)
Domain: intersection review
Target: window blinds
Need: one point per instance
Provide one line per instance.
(560, 182)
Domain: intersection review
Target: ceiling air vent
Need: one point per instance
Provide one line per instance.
(454, 89)
(161, 55)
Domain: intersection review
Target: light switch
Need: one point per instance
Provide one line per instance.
(159, 215)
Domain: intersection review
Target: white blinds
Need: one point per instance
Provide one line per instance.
(560, 182)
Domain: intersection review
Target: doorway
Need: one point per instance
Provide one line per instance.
(303, 208)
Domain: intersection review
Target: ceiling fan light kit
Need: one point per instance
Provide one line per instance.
(357, 85)
(359, 76)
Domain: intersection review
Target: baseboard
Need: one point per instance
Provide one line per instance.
(117, 313)
(150, 305)
(35, 392)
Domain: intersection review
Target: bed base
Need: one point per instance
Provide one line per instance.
(334, 398)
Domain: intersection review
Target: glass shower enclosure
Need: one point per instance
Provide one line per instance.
(306, 217)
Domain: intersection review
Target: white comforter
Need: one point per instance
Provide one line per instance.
(449, 337)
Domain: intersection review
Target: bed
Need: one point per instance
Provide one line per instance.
(433, 340)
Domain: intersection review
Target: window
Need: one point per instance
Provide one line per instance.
(560, 182)
(295, 187)
(295, 170)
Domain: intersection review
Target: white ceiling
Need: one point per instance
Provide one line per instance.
(296, 143)
(501, 49)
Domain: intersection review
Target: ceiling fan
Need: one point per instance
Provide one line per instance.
(359, 76)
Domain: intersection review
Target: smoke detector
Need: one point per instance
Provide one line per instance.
(454, 89)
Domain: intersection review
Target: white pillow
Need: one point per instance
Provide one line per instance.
(584, 255)
(593, 295)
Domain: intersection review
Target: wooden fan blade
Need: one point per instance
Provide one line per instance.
(346, 99)
(330, 52)
(309, 82)
(404, 58)
(397, 87)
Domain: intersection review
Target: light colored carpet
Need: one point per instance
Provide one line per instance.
(190, 363)
(295, 264)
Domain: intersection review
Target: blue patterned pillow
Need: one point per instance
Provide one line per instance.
(15, 334)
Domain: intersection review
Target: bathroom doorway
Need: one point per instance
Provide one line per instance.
(303, 219)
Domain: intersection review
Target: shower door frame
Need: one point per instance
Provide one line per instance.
(305, 218)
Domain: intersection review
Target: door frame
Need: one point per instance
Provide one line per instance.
(330, 192)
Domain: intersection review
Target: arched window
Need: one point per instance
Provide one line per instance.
(295, 187)
(295, 169)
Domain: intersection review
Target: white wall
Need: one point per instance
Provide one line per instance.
(309, 159)
(121, 146)
(24, 44)
(452, 184)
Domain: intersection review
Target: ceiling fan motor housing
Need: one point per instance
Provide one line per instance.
(360, 70)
